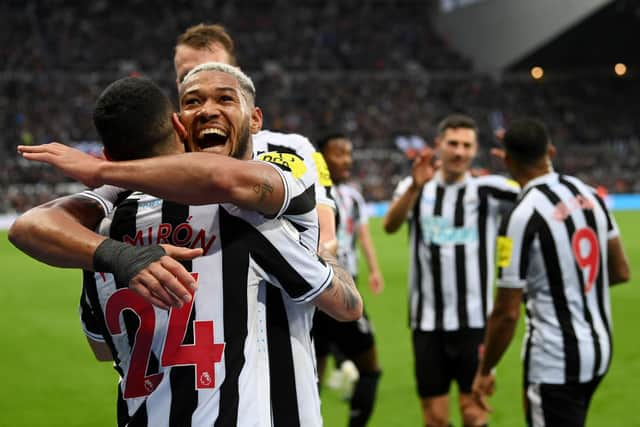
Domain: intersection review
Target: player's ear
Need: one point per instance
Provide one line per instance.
(256, 120)
(106, 155)
(179, 127)
(551, 151)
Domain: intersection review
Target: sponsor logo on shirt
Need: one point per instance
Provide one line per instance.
(288, 161)
(440, 231)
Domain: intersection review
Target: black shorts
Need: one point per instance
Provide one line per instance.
(563, 405)
(444, 356)
(349, 338)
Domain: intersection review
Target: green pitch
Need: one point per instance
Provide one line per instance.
(50, 378)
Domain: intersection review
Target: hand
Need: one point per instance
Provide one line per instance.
(498, 153)
(483, 386)
(424, 167)
(376, 282)
(166, 283)
(74, 163)
(330, 247)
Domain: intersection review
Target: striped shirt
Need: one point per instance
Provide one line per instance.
(287, 149)
(553, 245)
(219, 360)
(351, 213)
(452, 233)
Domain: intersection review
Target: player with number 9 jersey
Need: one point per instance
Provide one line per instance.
(554, 246)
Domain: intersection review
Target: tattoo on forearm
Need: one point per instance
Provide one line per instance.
(343, 284)
(263, 189)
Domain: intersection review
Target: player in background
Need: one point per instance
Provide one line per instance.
(233, 143)
(453, 222)
(559, 250)
(211, 42)
(353, 340)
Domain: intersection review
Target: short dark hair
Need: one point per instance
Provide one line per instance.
(526, 140)
(201, 36)
(455, 121)
(324, 141)
(133, 118)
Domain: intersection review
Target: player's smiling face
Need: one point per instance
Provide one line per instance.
(216, 114)
(457, 148)
(338, 156)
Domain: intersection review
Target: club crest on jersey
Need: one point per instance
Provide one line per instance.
(287, 161)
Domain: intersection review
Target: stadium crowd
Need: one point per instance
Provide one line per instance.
(317, 67)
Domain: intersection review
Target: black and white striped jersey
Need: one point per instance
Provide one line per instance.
(453, 228)
(351, 213)
(241, 350)
(554, 246)
(287, 149)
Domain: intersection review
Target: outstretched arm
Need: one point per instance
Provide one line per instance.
(59, 232)
(192, 178)
(422, 171)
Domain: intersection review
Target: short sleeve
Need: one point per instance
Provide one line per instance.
(511, 253)
(107, 196)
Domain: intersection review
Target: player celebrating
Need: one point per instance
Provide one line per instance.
(204, 43)
(354, 340)
(223, 96)
(453, 224)
(560, 250)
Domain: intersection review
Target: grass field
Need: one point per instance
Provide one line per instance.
(50, 378)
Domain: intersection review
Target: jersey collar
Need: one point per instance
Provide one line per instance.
(439, 179)
(548, 178)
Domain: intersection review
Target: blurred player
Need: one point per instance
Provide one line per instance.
(226, 104)
(453, 219)
(354, 340)
(560, 250)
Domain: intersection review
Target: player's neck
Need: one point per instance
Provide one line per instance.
(532, 172)
(453, 177)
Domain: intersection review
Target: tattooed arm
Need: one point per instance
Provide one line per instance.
(192, 178)
(202, 178)
(341, 299)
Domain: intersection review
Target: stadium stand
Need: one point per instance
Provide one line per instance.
(319, 65)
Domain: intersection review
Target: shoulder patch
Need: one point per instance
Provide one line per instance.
(324, 177)
(289, 161)
(512, 183)
(504, 249)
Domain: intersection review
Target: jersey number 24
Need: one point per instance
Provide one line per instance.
(203, 353)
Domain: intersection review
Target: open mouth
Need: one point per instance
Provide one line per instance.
(211, 137)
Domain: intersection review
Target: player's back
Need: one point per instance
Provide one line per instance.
(208, 360)
(177, 365)
(564, 250)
